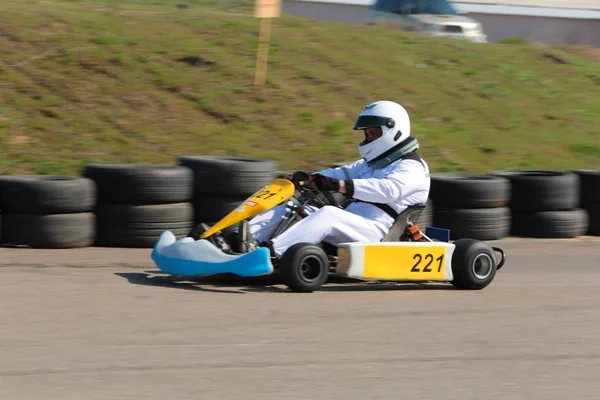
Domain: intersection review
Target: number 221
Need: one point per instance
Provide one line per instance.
(263, 194)
(427, 257)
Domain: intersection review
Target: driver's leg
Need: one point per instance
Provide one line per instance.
(331, 224)
(262, 225)
(260, 228)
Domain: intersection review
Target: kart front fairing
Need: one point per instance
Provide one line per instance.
(189, 257)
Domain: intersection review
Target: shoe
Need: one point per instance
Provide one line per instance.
(198, 231)
(241, 239)
(221, 243)
(251, 243)
(218, 240)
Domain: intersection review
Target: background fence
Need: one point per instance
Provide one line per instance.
(130, 205)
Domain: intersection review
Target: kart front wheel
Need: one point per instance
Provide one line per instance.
(474, 264)
(304, 267)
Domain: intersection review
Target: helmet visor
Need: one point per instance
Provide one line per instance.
(370, 121)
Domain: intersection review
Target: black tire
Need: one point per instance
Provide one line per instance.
(141, 183)
(593, 211)
(589, 182)
(49, 231)
(427, 215)
(229, 175)
(299, 277)
(475, 223)
(31, 194)
(550, 224)
(124, 225)
(214, 207)
(589, 198)
(282, 174)
(474, 264)
(466, 190)
(533, 190)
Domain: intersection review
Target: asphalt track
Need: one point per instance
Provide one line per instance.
(99, 324)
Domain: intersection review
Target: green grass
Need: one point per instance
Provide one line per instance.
(106, 81)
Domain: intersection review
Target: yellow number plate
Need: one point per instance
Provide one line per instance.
(404, 262)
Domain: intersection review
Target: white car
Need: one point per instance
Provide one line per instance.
(450, 24)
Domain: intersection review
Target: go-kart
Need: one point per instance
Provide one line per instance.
(404, 254)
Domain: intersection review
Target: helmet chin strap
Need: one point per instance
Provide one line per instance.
(406, 146)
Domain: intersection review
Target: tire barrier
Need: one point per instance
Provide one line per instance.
(51, 212)
(282, 174)
(222, 183)
(589, 198)
(130, 205)
(426, 218)
(135, 225)
(137, 202)
(544, 204)
(471, 205)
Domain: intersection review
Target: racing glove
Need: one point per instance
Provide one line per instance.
(299, 176)
(322, 182)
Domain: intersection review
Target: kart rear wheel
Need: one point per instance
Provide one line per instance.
(304, 267)
(474, 264)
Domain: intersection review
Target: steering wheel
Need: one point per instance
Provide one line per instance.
(301, 176)
(330, 197)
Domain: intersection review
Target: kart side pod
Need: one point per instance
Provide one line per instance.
(466, 263)
(418, 261)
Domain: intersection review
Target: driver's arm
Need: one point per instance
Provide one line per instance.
(341, 173)
(407, 178)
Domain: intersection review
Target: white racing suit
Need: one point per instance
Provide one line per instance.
(403, 183)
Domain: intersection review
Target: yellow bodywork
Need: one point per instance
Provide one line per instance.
(410, 261)
(267, 197)
(404, 262)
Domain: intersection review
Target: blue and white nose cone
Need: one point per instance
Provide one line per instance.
(189, 257)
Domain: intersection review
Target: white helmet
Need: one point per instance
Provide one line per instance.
(395, 126)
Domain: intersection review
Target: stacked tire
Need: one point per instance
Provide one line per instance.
(426, 218)
(52, 212)
(544, 204)
(471, 205)
(221, 183)
(283, 174)
(589, 198)
(136, 203)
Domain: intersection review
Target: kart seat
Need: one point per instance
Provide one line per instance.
(396, 233)
(410, 215)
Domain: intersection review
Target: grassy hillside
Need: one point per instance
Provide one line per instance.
(147, 81)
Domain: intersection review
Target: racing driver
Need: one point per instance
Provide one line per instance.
(389, 177)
